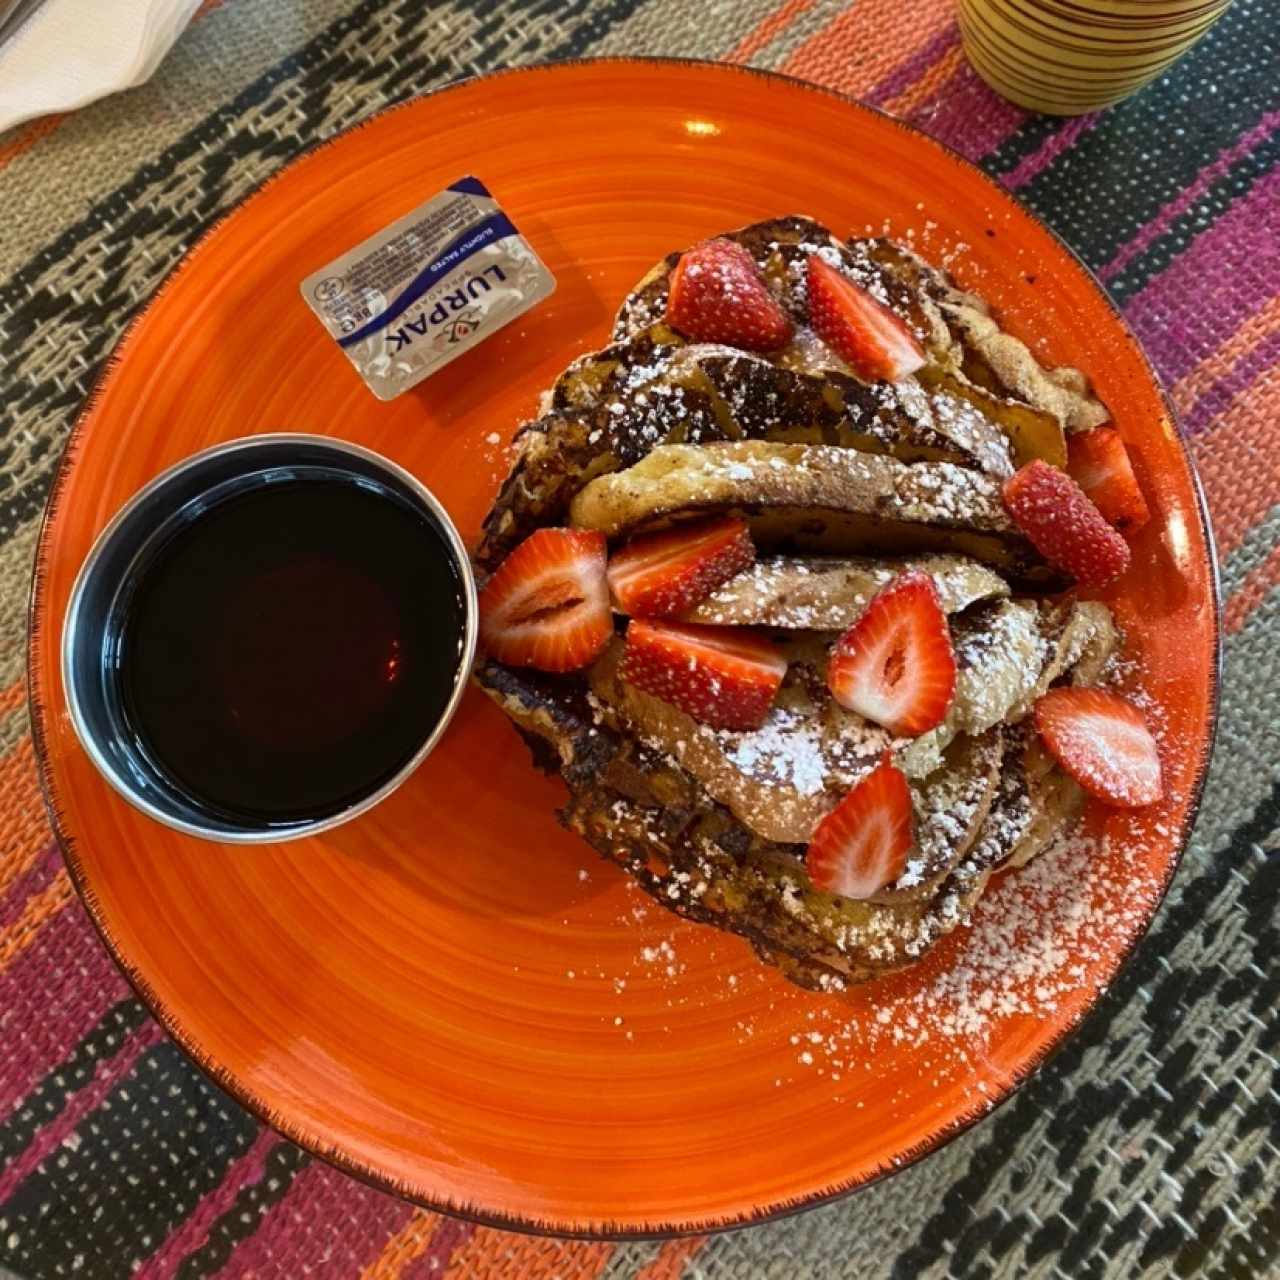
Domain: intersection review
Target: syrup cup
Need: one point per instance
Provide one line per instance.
(91, 658)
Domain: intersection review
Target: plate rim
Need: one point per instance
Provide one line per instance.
(230, 1084)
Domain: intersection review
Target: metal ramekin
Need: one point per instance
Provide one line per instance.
(169, 500)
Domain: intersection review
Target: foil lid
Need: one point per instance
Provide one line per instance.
(429, 287)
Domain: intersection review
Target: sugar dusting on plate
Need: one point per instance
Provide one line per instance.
(1030, 948)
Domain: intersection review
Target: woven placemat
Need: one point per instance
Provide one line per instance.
(1149, 1146)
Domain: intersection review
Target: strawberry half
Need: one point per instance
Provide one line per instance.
(718, 294)
(1103, 743)
(895, 665)
(725, 677)
(547, 606)
(1063, 525)
(661, 574)
(862, 844)
(859, 328)
(1099, 463)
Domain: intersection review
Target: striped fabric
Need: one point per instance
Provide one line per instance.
(1150, 1146)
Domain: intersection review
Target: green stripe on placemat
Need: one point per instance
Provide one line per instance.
(1150, 1146)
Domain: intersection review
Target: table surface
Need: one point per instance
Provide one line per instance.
(1150, 1145)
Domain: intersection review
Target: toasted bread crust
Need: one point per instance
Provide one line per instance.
(758, 473)
(815, 497)
(827, 593)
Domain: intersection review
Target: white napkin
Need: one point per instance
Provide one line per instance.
(70, 52)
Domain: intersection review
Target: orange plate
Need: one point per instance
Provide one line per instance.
(451, 996)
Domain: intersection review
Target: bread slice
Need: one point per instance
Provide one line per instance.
(779, 780)
(611, 407)
(961, 335)
(965, 340)
(651, 382)
(829, 593)
(815, 498)
(1008, 653)
(707, 872)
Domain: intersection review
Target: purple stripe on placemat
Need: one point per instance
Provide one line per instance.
(326, 1224)
(191, 1234)
(906, 73)
(1176, 208)
(1052, 147)
(450, 1235)
(1236, 380)
(108, 1074)
(32, 880)
(1236, 262)
(51, 996)
(972, 118)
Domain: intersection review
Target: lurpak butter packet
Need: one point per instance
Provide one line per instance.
(427, 288)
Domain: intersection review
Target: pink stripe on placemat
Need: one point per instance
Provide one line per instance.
(32, 880)
(1236, 263)
(50, 997)
(863, 44)
(109, 1073)
(325, 1224)
(968, 115)
(768, 29)
(1238, 380)
(1176, 208)
(909, 72)
(186, 1238)
(1049, 150)
(449, 1237)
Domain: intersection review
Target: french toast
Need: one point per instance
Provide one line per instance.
(828, 593)
(610, 409)
(679, 804)
(816, 498)
(982, 400)
(970, 355)
(845, 486)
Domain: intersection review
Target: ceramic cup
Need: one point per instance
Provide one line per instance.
(1066, 57)
(99, 598)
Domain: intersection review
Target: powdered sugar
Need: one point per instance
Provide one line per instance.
(945, 493)
(1033, 942)
(786, 750)
(1038, 943)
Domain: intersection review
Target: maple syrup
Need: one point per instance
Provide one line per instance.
(287, 651)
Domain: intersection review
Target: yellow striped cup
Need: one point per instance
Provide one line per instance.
(1066, 57)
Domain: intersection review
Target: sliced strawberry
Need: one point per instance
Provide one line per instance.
(895, 664)
(660, 574)
(859, 328)
(1103, 743)
(547, 606)
(718, 294)
(722, 676)
(1099, 464)
(862, 844)
(1063, 525)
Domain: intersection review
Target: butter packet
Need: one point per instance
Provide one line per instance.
(427, 288)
